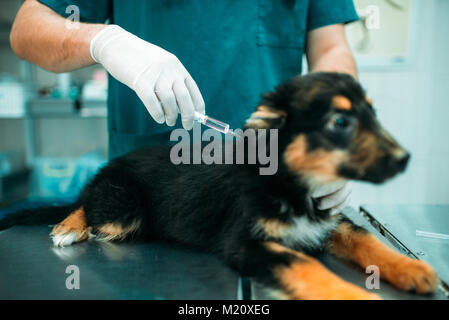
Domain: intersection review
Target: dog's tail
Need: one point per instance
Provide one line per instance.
(38, 216)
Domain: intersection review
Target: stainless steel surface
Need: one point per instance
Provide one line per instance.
(400, 223)
(32, 268)
(356, 275)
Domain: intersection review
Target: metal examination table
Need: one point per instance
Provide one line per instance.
(32, 268)
(400, 223)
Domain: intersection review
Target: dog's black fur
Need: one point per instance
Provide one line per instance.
(231, 210)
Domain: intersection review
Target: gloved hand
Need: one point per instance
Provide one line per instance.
(332, 196)
(156, 75)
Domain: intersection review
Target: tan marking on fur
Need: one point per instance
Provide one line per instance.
(341, 102)
(390, 144)
(388, 137)
(270, 113)
(369, 100)
(319, 162)
(279, 248)
(398, 153)
(273, 227)
(365, 249)
(296, 152)
(367, 151)
(260, 119)
(308, 279)
(111, 231)
(75, 222)
(257, 123)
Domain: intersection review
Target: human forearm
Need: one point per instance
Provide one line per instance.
(41, 36)
(328, 50)
(338, 59)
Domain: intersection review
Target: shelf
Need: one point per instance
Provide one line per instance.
(56, 108)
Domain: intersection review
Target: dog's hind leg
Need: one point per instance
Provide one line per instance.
(290, 274)
(112, 208)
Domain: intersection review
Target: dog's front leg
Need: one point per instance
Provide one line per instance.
(354, 243)
(292, 274)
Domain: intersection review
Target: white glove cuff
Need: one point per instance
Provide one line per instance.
(102, 38)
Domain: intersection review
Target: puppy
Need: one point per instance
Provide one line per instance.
(266, 227)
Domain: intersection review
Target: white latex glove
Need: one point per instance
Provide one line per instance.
(332, 196)
(156, 75)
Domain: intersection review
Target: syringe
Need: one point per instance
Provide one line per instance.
(212, 123)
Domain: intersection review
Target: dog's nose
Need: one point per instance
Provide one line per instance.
(401, 161)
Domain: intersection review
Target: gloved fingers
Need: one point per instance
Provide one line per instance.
(340, 207)
(335, 199)
(144, 88)
(195, 94)
(164, 92)
(327, 189)
(184, 103)
(152, 104)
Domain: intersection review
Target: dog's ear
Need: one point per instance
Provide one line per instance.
(266, 118)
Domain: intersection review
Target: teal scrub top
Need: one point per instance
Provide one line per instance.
(235, 50)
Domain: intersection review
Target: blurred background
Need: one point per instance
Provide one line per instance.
(53, 133)
(53, 130)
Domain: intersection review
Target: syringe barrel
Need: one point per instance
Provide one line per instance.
(216, 124)
(212, 123)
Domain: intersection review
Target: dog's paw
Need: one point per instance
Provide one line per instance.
(64, 239)
(72, 229)
(413, 275)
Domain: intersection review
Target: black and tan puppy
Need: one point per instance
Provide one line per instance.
(265, 227)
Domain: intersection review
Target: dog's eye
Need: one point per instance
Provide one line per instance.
(339, 123)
